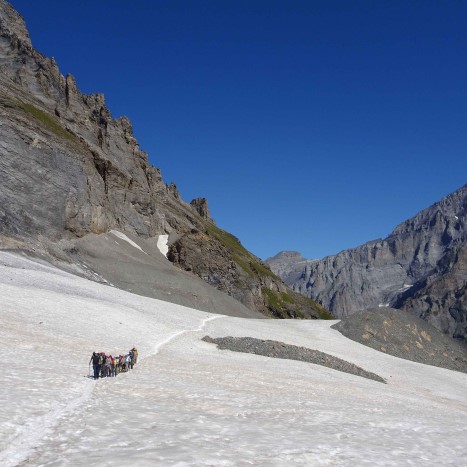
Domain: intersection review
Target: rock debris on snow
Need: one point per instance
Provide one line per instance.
(275, 349)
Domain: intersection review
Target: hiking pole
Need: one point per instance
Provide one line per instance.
(89, 370)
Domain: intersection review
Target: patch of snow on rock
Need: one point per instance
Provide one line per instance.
(122, 236)
(162, 244)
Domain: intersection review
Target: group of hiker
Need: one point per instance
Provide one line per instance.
(107, 365)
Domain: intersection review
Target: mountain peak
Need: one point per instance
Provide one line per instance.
(12, 25)
(287, 255)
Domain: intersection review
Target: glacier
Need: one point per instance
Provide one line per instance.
(188, 403)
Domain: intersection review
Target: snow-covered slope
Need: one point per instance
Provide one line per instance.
(186, 402)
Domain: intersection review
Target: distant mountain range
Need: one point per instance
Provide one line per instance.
(420, 267)
(74, 179)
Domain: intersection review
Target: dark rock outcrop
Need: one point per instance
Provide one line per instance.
(200, 205)
(420, 267)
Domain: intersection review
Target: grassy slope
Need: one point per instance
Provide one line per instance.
(281, 304)
(49, 122)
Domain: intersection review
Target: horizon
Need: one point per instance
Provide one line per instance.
(272, 110)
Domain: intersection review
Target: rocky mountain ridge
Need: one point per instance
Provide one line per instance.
(71, 173)
(420, 267)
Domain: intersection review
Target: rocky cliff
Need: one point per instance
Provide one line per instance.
(71, 172)
(221, 260)
(420, 267)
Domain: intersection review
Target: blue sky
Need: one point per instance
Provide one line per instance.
(309, 125)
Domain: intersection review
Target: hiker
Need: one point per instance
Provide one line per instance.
(102, 364)
(108, 363)
(115, 366)
(132, 356)
(95, 364)
(109, 366)
(127, 361)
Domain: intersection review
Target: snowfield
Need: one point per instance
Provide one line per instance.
(188, 403)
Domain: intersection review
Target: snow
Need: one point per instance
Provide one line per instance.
(186, 402)
(162, 244)
(122, 236)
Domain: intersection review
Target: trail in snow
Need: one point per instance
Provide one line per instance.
(185, 331)
(31, 435)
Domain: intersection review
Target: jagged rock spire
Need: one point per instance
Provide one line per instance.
(200, 205)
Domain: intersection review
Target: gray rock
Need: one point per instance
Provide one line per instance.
(288, 265)
(421, 267)
(200, 205)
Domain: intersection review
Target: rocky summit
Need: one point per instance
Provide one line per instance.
(289, 265)
(421, 267)
(76, 189)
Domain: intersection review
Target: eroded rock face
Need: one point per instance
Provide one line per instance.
(66, 164)
(207, 258)
(200, 205)
(441, 298)
(67, 167)
(220, 259)
(421, 267)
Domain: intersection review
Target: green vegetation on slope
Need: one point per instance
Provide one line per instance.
(277, 303)
(323, 313)
(249, 263)
(47, 121)
(287, 305)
